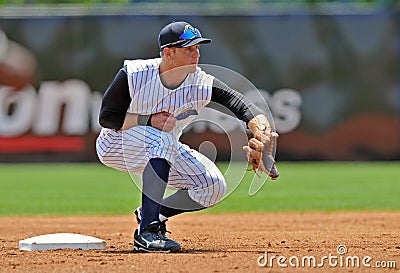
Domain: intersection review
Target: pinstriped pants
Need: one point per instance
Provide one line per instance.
(130, 150)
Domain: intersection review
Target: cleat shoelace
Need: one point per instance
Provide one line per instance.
(159, 231)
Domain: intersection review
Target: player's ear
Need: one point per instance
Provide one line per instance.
(167, 52)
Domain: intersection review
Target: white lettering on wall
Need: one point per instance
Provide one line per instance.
(74, 95)
(95, 104)
(284, 104)
(16, 111)
(67, 107)
(70, 108)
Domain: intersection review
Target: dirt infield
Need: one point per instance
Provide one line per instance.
(217, 243)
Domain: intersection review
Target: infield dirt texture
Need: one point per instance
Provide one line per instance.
(216, 243)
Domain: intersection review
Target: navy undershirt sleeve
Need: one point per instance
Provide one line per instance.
(115, 103)
(225, 98)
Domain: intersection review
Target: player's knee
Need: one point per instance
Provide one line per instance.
(113, 160)
(212, 194)
(220, 188)
(217, 188)
(112, 163)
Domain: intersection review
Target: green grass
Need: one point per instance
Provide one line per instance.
(84, 189)
(55, 189)
(322, 186)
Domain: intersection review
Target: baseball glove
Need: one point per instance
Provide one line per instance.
(261, 147)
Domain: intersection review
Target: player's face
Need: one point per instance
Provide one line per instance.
(188, 57)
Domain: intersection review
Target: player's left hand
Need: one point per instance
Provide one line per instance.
(261, 147)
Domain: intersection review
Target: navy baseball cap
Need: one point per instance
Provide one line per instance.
(180, 34)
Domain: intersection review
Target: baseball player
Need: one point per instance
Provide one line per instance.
(143, 113)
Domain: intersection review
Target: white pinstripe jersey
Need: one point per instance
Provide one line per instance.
(150, 96)
(130, 150)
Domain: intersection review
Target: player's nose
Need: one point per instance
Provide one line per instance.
(196, 53)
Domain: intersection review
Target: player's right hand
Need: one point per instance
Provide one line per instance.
(163, 121)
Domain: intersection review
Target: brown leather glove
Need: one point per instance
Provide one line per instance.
(261, 147)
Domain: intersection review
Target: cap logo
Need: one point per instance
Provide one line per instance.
(189, 33)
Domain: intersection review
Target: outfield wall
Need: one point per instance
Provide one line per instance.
(332, 80)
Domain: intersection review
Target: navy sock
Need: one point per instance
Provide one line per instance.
(155, 179)
(169, 212)
(178, 203)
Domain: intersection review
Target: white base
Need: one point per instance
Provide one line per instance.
(62, 241)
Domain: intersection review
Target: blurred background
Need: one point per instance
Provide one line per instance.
(329, 70)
